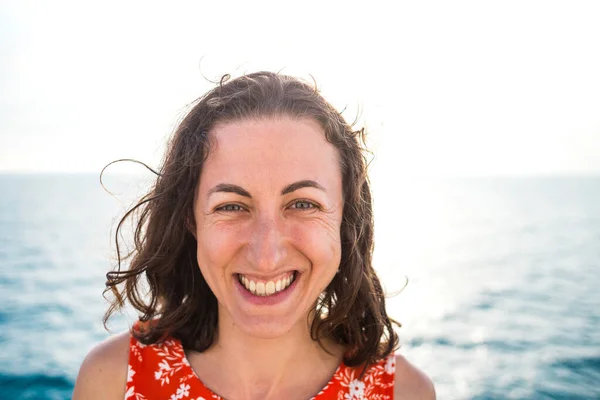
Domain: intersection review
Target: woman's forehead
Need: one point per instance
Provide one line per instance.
(280, 149)
(269, 132)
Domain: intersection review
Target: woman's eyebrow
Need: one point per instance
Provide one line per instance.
(229, 188)
(302, 184)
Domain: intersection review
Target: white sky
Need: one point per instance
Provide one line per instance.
(446, 88)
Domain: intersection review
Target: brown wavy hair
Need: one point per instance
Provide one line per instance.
(163, 281)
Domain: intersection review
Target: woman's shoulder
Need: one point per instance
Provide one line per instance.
(103, 373)
(410, 382)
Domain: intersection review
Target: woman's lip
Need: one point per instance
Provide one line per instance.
(266, 278)
(286, 271)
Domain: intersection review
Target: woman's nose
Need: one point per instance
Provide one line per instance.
(266, 249)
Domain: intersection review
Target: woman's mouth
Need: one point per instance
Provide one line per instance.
(261, 287)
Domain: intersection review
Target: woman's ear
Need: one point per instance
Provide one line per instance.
(190, 224)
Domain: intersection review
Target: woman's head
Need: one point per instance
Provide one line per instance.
(267, 218)
(222, 213)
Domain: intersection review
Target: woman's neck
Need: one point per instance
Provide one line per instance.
(239, 366)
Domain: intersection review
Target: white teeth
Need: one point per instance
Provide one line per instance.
(270, 288)
(260, 288)
(266, 288)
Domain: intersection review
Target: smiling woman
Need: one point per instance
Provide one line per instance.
(256, 244)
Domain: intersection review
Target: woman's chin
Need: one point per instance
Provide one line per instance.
(267, 327)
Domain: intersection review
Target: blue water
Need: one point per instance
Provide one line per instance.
(502, 300)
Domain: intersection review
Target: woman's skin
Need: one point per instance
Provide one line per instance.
(269, 205)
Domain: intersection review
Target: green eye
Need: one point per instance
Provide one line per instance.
(230, 208)
(303, 205)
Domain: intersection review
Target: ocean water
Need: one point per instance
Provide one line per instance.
(502, 301)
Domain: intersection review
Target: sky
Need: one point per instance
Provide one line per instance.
(461, 88)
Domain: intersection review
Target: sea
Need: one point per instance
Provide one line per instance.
(495, 281)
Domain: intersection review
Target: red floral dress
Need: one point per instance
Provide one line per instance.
(161, 371)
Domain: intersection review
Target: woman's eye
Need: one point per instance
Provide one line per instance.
(230, 207)
(303, 205)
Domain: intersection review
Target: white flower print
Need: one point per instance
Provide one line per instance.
(136, 350)
(130, 373)
(390, 365)
(164, 365)
(182, 391)
(163, 372)
(158, 374)
(132, 393)
(173, 360)
(356, 390)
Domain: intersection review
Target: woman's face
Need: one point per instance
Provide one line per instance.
(268, 213)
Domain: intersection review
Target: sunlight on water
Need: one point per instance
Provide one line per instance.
(498, 271)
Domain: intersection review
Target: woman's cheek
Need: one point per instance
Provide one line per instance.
(218, 242)
(317, 241)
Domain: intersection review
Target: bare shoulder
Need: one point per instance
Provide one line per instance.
(410, 383)
(103, 373)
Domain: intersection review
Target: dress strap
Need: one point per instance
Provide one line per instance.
(158, 370)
